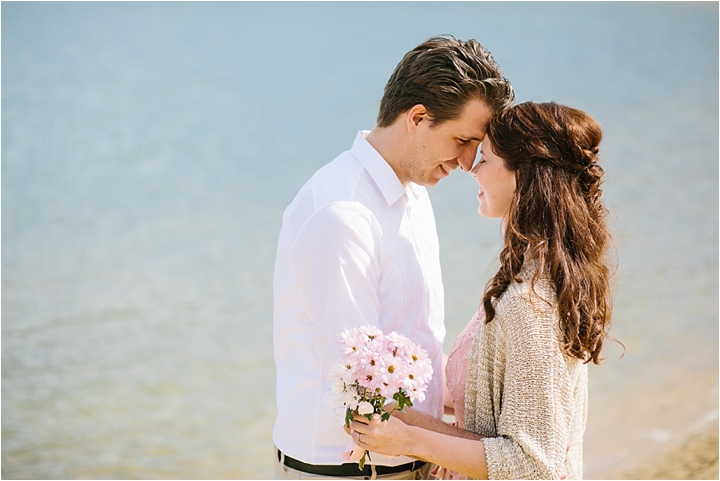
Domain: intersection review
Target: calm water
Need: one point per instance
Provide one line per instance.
(149, 149)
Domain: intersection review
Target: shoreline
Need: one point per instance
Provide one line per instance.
(693, 457)
(654, 428)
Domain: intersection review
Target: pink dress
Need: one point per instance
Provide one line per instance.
(456, 374)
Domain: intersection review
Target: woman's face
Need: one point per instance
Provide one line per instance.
(497, 183)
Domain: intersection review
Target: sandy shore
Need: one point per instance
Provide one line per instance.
(695, 457)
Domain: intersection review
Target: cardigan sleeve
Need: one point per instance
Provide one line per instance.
(536, 409)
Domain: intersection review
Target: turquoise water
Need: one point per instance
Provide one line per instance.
(149, 149)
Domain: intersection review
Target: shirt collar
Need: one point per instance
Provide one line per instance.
(378, 168)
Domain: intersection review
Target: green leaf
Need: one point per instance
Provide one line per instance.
(385, 417)
(403, 400)
(348, 417)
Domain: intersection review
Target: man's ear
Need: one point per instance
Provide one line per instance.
(415, 116)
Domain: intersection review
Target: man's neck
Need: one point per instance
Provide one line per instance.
(388, 143)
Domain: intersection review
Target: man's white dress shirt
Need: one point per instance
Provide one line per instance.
(355, 248)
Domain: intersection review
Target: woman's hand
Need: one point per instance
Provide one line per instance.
(391, 437)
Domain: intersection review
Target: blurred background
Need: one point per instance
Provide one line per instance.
(149, 150)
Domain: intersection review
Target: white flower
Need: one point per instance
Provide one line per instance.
(338, 387)
(365, 408)
(350, 400)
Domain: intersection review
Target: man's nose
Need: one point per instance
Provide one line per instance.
(467, 159)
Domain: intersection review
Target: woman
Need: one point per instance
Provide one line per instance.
(518, 373)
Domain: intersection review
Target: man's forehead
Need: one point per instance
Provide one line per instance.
(477, 136)
(472, 130)
(474, 120)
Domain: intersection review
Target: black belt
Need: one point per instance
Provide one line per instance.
(347, 469)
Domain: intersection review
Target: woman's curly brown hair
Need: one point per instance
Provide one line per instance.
(557, 216)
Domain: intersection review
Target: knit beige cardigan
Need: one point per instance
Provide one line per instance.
(522, 392)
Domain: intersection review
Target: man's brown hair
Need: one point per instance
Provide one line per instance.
(442, 74)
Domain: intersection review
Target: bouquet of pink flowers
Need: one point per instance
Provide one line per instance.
(375, 369)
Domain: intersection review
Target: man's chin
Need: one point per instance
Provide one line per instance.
(429, 182)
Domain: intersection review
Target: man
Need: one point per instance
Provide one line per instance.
(358, 246)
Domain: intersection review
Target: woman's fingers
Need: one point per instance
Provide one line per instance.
(363, 425)
(361, 418)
